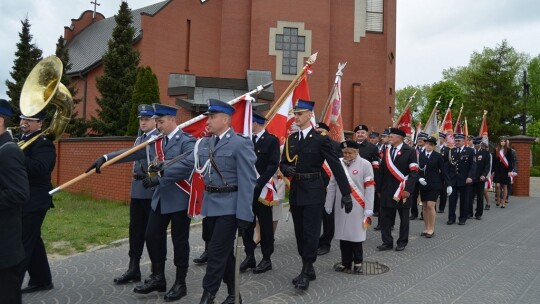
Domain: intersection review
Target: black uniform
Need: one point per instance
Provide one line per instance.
(461, 166)
(483, 165)
(40, 159)
(434, 171)
(416, 193)
(14, 193)
(267, 151)
(443, 195)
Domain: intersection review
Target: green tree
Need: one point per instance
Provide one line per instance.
(145, 91)
(116, 84)
(417, 103)
(534, 88)
(442, 91)
(26, 57)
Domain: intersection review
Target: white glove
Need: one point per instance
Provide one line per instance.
(448, 190)
(422, 181)
(368, 213)
(328, 210)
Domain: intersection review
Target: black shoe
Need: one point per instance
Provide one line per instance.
(412, 217)
(177, 291)
(430, 235)
(303, 282)
(156, 281)
(478, 217)
(203, 259)
(249, 262)
(440, 211)
(133, 274)
(230, 299)
(423, 234)
(487, 207)
(470, 216)
(376, 214)
(207, 298)
(400, 247)
(311, 276)
(34, 288)
(263, 266)
(323, 250)
(384, 247)
(357, 270)
(450, 222)
(377, 228)
(461, 223)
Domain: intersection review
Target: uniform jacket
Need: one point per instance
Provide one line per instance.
(40, 159)
(235, 158)
(370, 152)
(172, 197)
(267, 152)
(140, 167)
(483, 165)
(499, 170)
(310, 155)
(433, 170)
(461, 166)
(14, 193)
(348, 227)
(406, 161)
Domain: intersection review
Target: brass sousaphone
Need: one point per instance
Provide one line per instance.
(41, 87)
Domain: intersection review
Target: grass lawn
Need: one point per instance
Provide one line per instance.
(79, 222)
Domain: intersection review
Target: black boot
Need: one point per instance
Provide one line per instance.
(311, 276)
(249, 262)
(231, 297)
(303, 281)
(133, 274)
(203, 259)
(179, 289)
(156, 281)
(207, 298)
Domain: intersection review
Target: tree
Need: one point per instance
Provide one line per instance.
(444, 91)
(534, 88)
(417, 104)
(116, 84)
(26, 58)
(145, 91)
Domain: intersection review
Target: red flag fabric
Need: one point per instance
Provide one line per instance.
(332, 116)
(405, 122)
(484, 130)
(447, 122)
(459, 124)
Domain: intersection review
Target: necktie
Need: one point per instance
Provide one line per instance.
(217, 140)
(254, 137)
(166, 140)
(393, 152)
(301, 136)
(427, 155)
(144, 137)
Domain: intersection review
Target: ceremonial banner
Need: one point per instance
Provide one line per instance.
(459, 123)
(484, 130)
(431, 126)
(446, 124)
(404, 122)
(331, 114)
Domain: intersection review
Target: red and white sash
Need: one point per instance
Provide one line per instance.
(503, 159)
(355, 192)
(398, 175)
(269, 195)
(182, 184)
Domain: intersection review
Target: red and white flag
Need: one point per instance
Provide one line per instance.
(484, 130)
(404, 123)
(446, 125)
(331, 115)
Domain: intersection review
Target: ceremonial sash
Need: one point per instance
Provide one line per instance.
(355, 192)
(503, 159)
(182, 184)
(327, 169)
(268, 194)
(398, 175)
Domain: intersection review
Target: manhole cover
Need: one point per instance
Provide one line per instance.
(371, 268)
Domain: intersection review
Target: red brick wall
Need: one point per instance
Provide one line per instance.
(522, 145)
(75, 155)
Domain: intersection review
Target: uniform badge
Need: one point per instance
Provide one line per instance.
(228, 135)
(310, 135)
(323, 133)
(355, 172)
(479, 157)
(399, 153)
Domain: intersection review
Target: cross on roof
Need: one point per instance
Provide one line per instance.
(96, 4)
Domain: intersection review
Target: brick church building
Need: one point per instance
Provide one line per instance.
(223, 48)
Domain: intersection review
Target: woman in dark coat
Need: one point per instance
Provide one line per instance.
(503, 163)
(433, 174)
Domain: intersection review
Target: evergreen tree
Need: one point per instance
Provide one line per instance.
(146, 91)
(26, 57)
(116, 84)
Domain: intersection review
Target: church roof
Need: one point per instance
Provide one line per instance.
(88, 47)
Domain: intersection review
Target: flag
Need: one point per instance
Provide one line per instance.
(331, 115)
(465, 128)
(446, 124)
(459, 123)
(404, 122)
(484, 130)
(431, 127)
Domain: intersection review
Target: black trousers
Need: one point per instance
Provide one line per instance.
(463, 193)
(388, 217)
(307, 229)
(206, 231)
(477, 192)
(351, 251)
(156, 236)
(414, 205)
(35, 262)
(220, 252)
(139, 212)
(442, 198)
(10, 288)
(264, 214)
(325, 241)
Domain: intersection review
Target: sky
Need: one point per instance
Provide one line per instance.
(432, 35)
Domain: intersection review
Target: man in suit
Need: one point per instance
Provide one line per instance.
(483, 166)
(399, 174)
(462, 168)
(14, 193)
(227, 162)
(303, 157)
(443, 149)
(40, 159)
(420, 143)
(169, 205)
(267, 151)
(141, 199)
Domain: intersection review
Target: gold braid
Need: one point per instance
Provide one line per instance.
(289, 159)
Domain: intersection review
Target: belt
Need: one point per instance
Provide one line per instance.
(300, 176)
(220, 189)
(138, 177)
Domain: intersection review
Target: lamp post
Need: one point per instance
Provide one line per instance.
(526, 86)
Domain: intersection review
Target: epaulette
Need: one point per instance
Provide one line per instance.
(323, 133)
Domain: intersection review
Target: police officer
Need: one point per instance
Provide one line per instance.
(14, 193)
(443, 149)
(141, 198)
(302, 160)
(40, 159)
(483, 166)
(227, 161)
(169, 205)
(267, 151)
(462, 169)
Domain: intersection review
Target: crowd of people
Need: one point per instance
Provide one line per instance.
(336, 189)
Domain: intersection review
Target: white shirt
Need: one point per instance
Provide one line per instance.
(258, 135)
(396, 151)
(305, 132)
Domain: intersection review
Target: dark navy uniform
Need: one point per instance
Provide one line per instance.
(416, 193)
(483, 166)
(443, 197)
(462, 165)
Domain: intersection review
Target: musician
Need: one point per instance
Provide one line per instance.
(40, 159)
(267, 151)
(349, 231)
(169, 205)
(443, 149)
(433, 174)
(399, 174)
(420, 147)
(483, 168)
(14, 194)
(503, 164)
(462, 168)
(303, 157)
(227, 161)
(141, 199)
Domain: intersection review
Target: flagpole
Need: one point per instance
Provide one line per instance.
(458, 121)
(339, 73)
(433, 112)
(405, 109)
(272, 112)
(446, 113)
